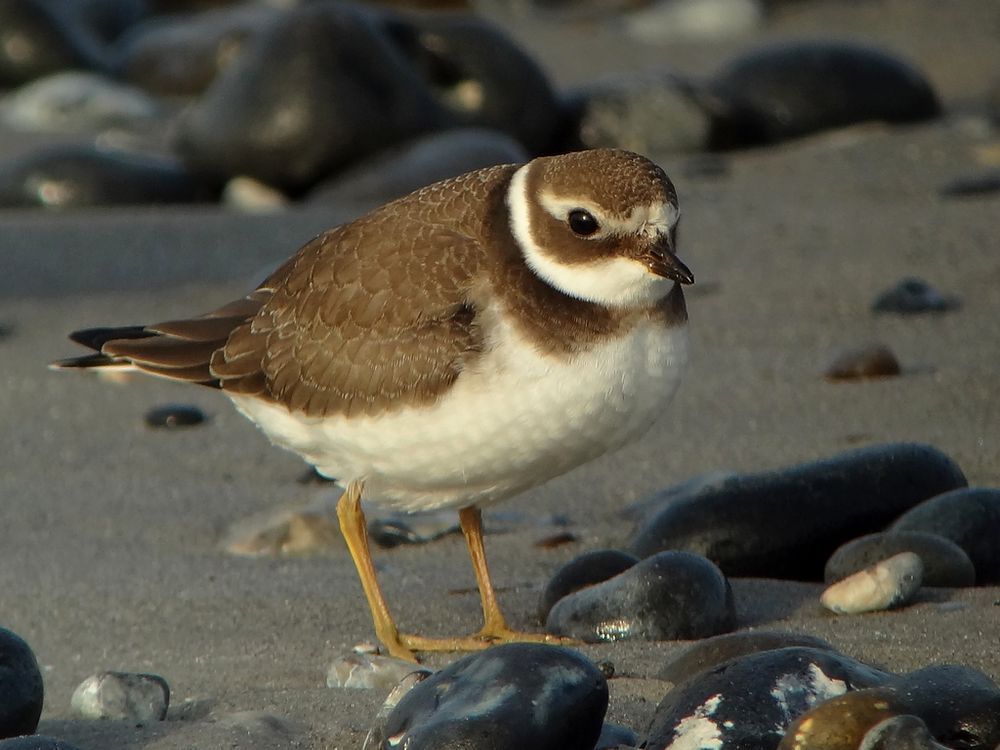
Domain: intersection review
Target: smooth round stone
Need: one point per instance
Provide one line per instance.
(320, 87)
(141, 698)
(392, 529)
(174, 415)
(945, 563)
(708, 652)
(585, 570)
(669, 596)
(887, 584)
(748, 702)
(616, 736)
(960, 705)
(789, 89)
(358, 670)
(520, 695)
(253, 196)
(479, 75)
(182, 55)
(910, 296)
(970, 518)
(786, 523)
(40, 38)
(400, 170)
(863, 363)
(985, 183)
(650, 113)
(676, 20)
(900, 733)
(74, 176)
(37, 742)
(21, 688)
(842, 722)
(78, 102)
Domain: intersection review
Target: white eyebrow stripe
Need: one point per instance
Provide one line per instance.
(650, 220)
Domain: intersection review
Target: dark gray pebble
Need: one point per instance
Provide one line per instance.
(708, 652)
(786, 523)
(21, 688)
(393, 528)
(479, 75)
(970, 518)
(402, 169)
(79, 175)
(318, 88)
(912, 295)
(748, 702)
(945, 563)
(669, 596)
(791, 89)
(904, 732)
(863, 362)
(182, 55)
(582, 571)
(174, 415)
(986, 183)
(525, 696)
(615, 735)
(37, 742)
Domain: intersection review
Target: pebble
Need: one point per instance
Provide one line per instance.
(78, 102)
(376, 738)
(887, 584)
(863, 362)
(479, 75)
(141, 698)
(985, 183)
(677, 20)
(945, 563)
(748, 702)
(400, 170)
(708, 652)
(615, 736)
(970, 518)
(40, 38)
(652, 112)
(21, 688)
(393, 529)
(523, 695)
(786, 523)
(253, 196)
(358, 670)
(912, 295)
(37, 742)
(785, 90)
(172, 416)
(842, 722)
(669, 596)
(278, 113)
(582, 571)
(182, 55)
(276, 533)
(79, 175)
(900, 733)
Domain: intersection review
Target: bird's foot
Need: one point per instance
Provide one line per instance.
(478, 641)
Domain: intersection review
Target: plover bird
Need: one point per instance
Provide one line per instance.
(452, 348)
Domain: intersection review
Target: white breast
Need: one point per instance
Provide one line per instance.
(517, 420)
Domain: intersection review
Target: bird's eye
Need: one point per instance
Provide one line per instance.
(582, 222)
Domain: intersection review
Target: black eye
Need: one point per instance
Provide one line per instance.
(583, 222)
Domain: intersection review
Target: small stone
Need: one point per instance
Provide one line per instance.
(141, 698)
(841, 722)
(253, 196)
(362, 671)
(986, 183)
(173, 416)
(749, 701)
(945, 563)
(790, 89)
(615, 736)
(864, 362)
(786, 523)
(887, 584)
(36, 742)
(392, 529)
(582, 571)
(708, 652)
(970, 518)
(900, 733)
(21, 688)
(912, 296)
(518, 695)
(299, 531)
(669, 596)
(678, 20)
(558, 539)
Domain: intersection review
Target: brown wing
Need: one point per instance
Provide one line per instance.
(352, 325)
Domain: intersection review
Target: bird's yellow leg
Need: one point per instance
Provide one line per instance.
(354, 529)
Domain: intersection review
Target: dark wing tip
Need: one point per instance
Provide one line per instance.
(95, 338)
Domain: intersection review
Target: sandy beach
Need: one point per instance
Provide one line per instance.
(110, 545)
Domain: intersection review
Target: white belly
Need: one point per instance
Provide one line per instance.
(519, 419)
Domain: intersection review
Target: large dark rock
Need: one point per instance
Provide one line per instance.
(320, 87)
(669, 596)
(21, 688)
(786, 523)
(791, 89)
(970, 518)
(523, 696)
